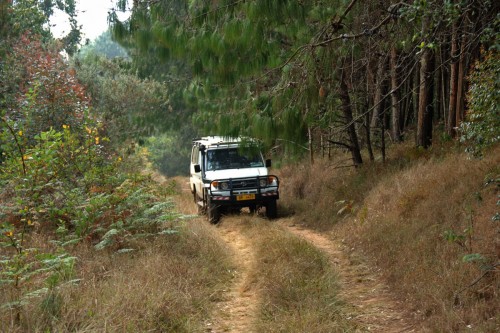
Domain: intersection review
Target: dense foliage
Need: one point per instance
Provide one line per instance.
(330, 73)
(482, 126)
(130, 107)
(66, 176)
(103, 46)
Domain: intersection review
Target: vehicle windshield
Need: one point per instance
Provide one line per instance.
(232, 158)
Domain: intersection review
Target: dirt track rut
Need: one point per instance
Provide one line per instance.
(376, 309)
(239, 306)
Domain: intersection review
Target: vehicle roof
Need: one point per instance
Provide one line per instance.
(210, 141)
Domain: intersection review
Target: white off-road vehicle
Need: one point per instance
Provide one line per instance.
(228, 174)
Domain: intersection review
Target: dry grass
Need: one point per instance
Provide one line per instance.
(398, 214)
(166, 286)
(393, 216)
(298, 286)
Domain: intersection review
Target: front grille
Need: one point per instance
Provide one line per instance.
(242, 184)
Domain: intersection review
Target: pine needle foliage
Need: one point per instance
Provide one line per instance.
(229, 44)
(306, 58)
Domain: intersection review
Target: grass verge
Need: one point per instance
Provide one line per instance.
(427, 219)
(166, 285)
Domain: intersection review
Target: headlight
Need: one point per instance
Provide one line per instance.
(220, 185)
(272, 180)
(263, 182)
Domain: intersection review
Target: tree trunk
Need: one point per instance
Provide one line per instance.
(382, 136)
(310, 143)
(444, 87)
(379, 88)
(408, 116)
(429, 115)
(438, 115)
(459, 116)
(425, 102)
(329, 145)
(415, 95)
(367, 132)
(366, 110)
(395, 106)
(351, 129)
(451, 123)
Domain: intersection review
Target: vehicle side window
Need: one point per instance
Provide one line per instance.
(195, 155)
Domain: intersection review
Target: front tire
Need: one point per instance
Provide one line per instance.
(214, 212)
(271, 210)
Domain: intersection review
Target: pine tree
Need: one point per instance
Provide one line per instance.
(272, 69)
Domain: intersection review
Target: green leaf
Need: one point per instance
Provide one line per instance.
(496, 217)
(107, 239)
(121, 251)
(73, 282)
(473, 257)
(36, 293)
(14, 305)
(71, 242)
(6, 281)
(168, 232)
(451, 236)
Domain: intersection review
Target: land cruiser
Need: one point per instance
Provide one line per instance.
(228, 174)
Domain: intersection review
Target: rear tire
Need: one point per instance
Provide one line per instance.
(271, 210)
(200, 208)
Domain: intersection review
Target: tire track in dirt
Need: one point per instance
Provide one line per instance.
(236, 312)
(375, 308)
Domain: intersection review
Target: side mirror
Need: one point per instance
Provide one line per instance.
(197, 168)
(268, 163)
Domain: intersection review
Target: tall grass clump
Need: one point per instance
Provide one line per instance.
(428, 219)
(299, 287)
(167, 286)
(432, 228)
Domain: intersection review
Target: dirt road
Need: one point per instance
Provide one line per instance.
(237, 311)
(374, 307)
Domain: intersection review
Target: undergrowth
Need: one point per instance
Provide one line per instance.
(87, 239)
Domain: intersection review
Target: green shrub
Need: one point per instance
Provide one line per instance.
(482, 126)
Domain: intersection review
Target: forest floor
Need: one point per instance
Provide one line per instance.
(374, 307)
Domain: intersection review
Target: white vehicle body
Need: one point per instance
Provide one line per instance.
(224, 176)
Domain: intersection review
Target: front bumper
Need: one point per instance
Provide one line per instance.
(244, 200)
(245, 191)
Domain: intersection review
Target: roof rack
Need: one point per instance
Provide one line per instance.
(217, 140)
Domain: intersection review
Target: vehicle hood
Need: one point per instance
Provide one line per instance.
(235, 173)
